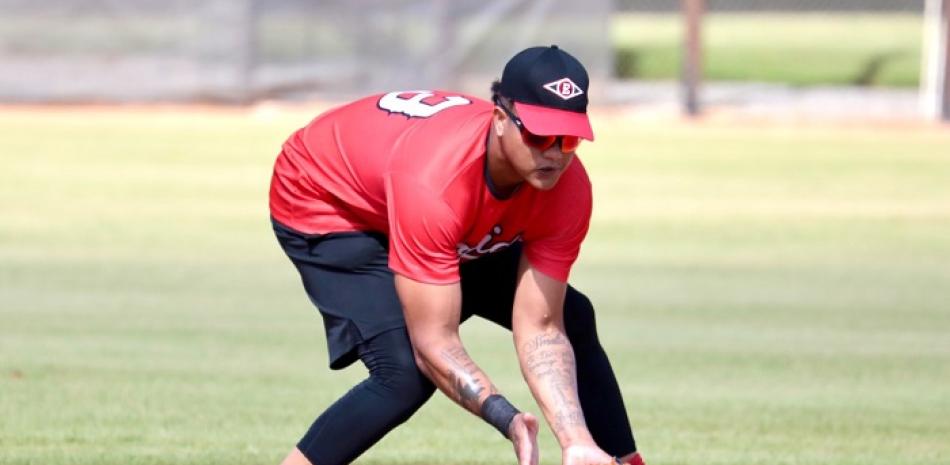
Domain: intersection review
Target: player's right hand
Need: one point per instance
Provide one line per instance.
(586, 455)
(523, 432)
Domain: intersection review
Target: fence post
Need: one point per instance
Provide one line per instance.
(246, 49)
(692, 57)
(439, 70)
(934, 71)
(945, 61)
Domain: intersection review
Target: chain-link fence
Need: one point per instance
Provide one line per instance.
(239, 50)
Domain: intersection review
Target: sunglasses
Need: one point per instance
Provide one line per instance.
(568, 143)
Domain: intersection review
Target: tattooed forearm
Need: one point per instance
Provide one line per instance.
(567, 420)
(464, 375)
(549, 359)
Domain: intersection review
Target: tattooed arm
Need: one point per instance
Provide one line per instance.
(432, 317)
(547, 363)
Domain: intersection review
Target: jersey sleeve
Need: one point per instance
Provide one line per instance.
(553, 240)
(423, 232)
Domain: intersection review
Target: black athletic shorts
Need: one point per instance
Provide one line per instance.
(347, 277)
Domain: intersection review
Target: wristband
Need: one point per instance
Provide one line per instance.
(498, 412)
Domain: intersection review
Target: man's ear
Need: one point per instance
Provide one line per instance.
(498, 120)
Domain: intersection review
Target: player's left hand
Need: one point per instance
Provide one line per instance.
(523, 432)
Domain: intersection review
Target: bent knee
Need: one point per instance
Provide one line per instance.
(401, 374)
(579, 321)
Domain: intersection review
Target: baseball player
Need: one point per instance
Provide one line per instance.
(408, 212)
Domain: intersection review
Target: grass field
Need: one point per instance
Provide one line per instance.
(769, 295)
(801, 49)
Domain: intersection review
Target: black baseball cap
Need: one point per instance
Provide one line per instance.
(549, 89)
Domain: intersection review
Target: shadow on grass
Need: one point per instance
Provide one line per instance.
(626, 63)
(871, 70)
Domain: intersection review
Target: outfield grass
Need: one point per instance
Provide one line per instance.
(769, 295)
(802, 49)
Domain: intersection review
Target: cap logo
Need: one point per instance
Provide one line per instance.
(564, 88)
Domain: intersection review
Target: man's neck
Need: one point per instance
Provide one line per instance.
(499, 174)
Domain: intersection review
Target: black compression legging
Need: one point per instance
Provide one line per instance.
(395, 388)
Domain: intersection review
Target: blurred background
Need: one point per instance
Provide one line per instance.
(768, 255)
(874, 54)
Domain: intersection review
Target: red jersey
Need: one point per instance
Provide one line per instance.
(413, 166)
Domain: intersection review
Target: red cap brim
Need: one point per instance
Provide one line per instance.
(545, 121)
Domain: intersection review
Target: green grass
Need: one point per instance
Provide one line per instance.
(799, 49)
(768, 296)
